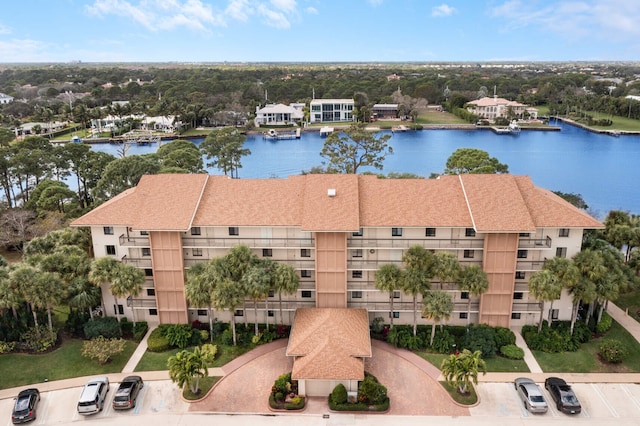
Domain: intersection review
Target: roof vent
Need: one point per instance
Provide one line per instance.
(331, 192)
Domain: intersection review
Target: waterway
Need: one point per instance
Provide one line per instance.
(604, 169)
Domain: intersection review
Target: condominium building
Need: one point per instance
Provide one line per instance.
(336, 231)
(331, 110)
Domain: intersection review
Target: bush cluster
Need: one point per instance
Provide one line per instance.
(107, 327)
(139, 330)
(556, 338)
(605, 323)
(612, 351)
(101, 349)
(38, 339)
(371, 396)
(512, 352)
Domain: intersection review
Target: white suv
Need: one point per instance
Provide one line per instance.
(93, 395)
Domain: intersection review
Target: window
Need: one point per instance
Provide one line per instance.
(108, 230)
(153, 312)
(464, 295)
(554, 314)
(111, 250)
(270, 313)
(468, 254)
(357, 234)
(561, 251)
(305, 252)
(195, 230)
(522, 254)
(396, 232)
(118, 309)
(563, 232)
(151, 292)
(463, 315)
(272, 293)
(356, 295)
(267, 252)
(305, 293)
(148, 272)
(233, 230)
(238, 313)
(202, 312)
(525, 234)
(515, 315)
(356, 253)
(396, 314)
(430, 232)
(146, 251)
(356, 274)
(197, 252)
(469, 232)
(520, 275)
(144, 232)
(305, 273)
(518, 295)
(396, 295)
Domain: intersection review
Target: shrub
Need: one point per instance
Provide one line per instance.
(179, 335)
(126, 327)
(279, 397)
(296, 403)
(102, 349)
(605, 323)
(139, 330)
(75, 322)
(282, 331)
(339, 394)
(6, 347)
(371, 392)
(512, 352)
(157, 342)
(481, 338)
(613, 351)
(504, 337)
(107, 327)
(39, 339)
(443, 341)
(283, 383)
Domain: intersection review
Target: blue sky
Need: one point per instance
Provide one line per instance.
(319, 30)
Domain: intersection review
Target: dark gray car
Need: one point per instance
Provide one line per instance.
(566, 401)
(127, 393)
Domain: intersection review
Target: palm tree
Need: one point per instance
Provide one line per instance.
(419, 263)
(41, 290)
(257, 281)
(460, 369)
(285, 280)
(127, 283)
(199, 288)
(447, 267)
(237, 262)
(188, 367)
(437, 305)
(102, 270)
(227, 294)
(545, 286)
(10, 296)
(389, 278)
(473, 280)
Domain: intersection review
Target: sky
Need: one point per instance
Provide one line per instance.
(38, 31)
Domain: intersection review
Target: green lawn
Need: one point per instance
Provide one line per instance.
(630, 301)
(435, 117)
(586, 360)
(154, 361)
(62, 363)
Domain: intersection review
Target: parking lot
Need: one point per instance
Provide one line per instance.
(600, 401)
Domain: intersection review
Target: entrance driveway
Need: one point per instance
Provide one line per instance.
(411, 383)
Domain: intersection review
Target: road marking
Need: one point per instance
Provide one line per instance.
(612, 410)
(630, 396)
(140, 399)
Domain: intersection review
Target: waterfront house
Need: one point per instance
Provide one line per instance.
(490, 108)
(5, 99)
(336, 231)
(331, 110)
(279, 114)
(384, 111)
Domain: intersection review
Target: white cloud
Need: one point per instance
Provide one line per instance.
(375, 2)
(239, 10)
(288, 6)
(25, 50)
(443, 10)
(274, 18)
(312, 10)
(4, 29)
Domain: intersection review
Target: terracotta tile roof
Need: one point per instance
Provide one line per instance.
(159, 202)
(489, 203)
(329, 343)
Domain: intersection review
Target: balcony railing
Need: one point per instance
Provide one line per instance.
(529, 265)
(533, 243)
(428, 243)
(296, 264)
(137, 262)
(141, 303)
(362, 264)
(127, 241)
(251, 242)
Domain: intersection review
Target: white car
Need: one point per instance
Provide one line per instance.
(93, 395)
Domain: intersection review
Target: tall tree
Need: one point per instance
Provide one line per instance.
(389, 278)
(355, 147)
(437, 305)
(228, 295)
(257, 281)
(199, 287)
(225, 148)
(446, 268)
(285, 280)
(474, 161)
(418, 271)
(473, 280)
(127, 282)
(545, 286)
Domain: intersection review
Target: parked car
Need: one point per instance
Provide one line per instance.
(127, 393)
(93, 395)
(26, 406)
(531, 395)
(566, 401)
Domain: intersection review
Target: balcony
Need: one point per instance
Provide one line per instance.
(126, 241)
(141, 303)
(251, 242)
(534, 243)
(296, 264)
(137, 262)
(428, 243)
(529, 265)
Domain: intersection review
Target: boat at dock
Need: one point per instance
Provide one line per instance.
(512, 129)
(399, 128)
(273, 134)
(325, 131)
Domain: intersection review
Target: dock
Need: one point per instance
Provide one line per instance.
(273, 134)
(325, 131)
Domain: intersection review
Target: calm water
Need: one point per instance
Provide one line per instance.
(604, 169)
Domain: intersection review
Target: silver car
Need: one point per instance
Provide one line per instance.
(531, 395)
